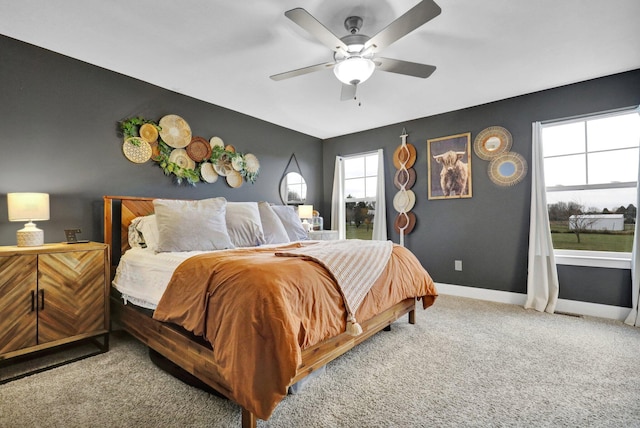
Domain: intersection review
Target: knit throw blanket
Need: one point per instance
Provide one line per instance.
(355, 266)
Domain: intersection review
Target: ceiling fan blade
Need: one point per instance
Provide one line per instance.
(404, 67)
(301, 71)
(348, 92)
(420, 14)
(305, 20)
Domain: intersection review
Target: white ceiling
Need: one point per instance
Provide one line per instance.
(224, 51)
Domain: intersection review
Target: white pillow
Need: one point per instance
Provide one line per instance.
(133, 234)
(244, 225)
(143, 232)
(291, 222)
(191, 225)
(148, 228)
(274, 231)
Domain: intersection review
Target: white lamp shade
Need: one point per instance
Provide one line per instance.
(354, 70)
(305, 211)
(28, 206)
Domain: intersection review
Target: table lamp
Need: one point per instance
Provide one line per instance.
(28, 207)
(305, 212)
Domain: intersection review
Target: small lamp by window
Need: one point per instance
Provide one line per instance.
(28, 207)
(305, 212)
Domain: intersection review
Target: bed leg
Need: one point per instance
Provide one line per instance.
(412, 317)
(248, 419)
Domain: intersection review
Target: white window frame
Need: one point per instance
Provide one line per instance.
(348, 200)
(603, 259)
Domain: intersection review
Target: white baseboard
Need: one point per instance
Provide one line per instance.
(569, 306)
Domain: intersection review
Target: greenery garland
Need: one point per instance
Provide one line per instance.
(131, 128)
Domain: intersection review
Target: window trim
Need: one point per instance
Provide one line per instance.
(363, 156)
(602, 259)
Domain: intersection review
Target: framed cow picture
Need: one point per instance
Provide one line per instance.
(449, 161)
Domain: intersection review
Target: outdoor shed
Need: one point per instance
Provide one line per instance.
(597, 222)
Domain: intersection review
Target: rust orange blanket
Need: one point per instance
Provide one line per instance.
(258, 312)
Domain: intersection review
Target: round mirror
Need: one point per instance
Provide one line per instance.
(508, 169)
(492, 143)
(293, 189)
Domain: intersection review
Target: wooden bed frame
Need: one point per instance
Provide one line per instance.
(196, 358)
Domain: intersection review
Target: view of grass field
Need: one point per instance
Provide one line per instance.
(361, 232)
(564, 239)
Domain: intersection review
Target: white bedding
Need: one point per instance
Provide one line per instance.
(142, 274)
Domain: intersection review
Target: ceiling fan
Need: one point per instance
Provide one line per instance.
(355, 54)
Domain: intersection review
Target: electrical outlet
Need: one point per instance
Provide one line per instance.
(458, 265)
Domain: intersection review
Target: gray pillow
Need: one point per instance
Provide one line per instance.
(191, 225)
(291, 222)
(244, 225)
(274, 231)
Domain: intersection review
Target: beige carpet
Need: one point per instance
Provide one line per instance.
(466, 363)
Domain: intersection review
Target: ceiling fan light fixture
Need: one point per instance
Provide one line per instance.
(354, 70)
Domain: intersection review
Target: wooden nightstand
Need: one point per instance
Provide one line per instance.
(323, 235)
(52, 295)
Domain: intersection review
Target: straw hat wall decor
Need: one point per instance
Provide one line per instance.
(170, 144)
(404, 157)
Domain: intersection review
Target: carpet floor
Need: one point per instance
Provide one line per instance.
(466, 363)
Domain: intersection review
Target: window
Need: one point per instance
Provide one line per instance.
(296, 188)
(591, 173)
(360, 186)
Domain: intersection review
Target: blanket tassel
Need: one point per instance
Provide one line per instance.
(353, 328)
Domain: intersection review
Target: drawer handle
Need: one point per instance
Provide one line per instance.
(41, 300)
(33, 300)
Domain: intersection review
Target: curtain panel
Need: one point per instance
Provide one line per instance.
(338, 209)
(634, 318)
(542, 277)
(380, 219)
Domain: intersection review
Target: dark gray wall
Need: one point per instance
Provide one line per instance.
(489, 232)
(58, 134)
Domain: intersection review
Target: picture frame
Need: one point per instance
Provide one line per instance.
(449, 165)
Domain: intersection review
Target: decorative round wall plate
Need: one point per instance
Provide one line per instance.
(404, 201)
(136, 150)
(148, 133)
(234, 179)
(404, 156)
(251, 163)
(508, 169)
(223, 166)
(182, 159)
(405, 178)
(175, 131)
(492, 141)
(216, 141)
(207, 172)
(406, 221)
(199, 149)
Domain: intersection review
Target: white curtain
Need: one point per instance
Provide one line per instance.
(634, 318)
(380, 219)
(542, 279)
(338, 208)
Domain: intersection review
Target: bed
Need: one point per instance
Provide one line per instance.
(252, 338)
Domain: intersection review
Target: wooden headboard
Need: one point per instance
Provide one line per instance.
(119, 211)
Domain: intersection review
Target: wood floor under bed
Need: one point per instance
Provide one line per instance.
(194, 357)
